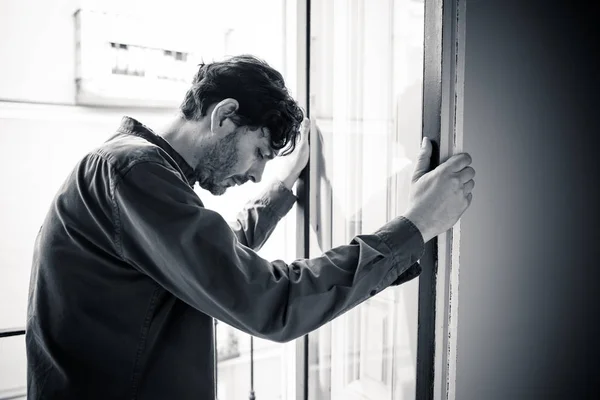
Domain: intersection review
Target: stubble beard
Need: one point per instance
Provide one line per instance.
(218, 164)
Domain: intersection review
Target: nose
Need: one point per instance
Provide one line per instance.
(256, 174)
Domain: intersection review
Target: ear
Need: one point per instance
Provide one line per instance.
(220, 118)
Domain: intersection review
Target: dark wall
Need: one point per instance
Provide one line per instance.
(528, 316)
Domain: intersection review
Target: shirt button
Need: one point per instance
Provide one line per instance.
(373, 292)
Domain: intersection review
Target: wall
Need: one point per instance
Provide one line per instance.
(527, 325)
(38, 61)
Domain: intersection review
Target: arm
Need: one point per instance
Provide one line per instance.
(258, 219)
(164, 232)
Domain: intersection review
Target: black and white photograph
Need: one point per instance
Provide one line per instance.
(299, 200)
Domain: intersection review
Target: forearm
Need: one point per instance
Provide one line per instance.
(260, 216)
(289, 181)
(279, 301)
(323, 288)
(192, 253)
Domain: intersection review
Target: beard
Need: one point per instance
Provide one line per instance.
(218, 164)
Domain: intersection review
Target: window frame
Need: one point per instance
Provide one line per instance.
(442, 122)
(443, 84)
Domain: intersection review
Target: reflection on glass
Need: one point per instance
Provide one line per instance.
(366, 80)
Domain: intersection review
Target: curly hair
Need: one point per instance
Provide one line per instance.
(260, 90)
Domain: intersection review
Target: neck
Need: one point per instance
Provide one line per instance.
(189, 138)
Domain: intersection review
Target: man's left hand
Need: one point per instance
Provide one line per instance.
(292, 164)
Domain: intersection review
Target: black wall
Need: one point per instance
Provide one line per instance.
(528, 319)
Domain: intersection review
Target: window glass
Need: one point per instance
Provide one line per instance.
(366, 81)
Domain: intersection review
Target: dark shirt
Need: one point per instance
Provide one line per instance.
(129, 269)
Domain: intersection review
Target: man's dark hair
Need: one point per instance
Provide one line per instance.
(260, 90)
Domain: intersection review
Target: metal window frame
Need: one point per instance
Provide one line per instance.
(303, 186)
(443, 84)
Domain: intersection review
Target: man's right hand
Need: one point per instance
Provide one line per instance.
(438, 198)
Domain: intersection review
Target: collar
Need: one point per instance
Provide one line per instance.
(134, 127)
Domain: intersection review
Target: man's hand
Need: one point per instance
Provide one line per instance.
(439, 198)
(292, 164)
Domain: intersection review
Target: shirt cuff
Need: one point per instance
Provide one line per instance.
(406, 244)
(278, 198)
(402, 236)
(409, 274)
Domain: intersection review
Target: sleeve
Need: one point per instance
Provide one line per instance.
(163, 231)
(259, 217)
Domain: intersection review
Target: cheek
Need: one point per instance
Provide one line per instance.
(244, 160)
(239, 164)
(246, 164)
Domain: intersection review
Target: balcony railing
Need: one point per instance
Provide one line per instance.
(11, 332)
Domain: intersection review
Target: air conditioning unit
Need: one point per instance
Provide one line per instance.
(131, 62)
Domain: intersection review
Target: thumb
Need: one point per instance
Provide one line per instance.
(423, 160)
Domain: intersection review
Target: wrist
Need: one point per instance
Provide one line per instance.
(289, 181)
(420, 224)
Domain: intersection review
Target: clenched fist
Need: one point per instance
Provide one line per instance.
(438, 198)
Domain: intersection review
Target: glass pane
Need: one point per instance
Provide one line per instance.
(366, 82)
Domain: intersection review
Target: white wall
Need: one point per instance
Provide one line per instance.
(37, 50)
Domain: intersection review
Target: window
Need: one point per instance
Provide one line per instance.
(365, 97)
(365, 78)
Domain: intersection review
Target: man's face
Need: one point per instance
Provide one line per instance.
(235, 159)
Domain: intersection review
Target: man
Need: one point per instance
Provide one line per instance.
(129, 268)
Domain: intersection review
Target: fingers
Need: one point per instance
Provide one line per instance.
(423, 160)
(305, 126)
(304, 132)
(468, 187)
(301, 139)
(458, 162)
(466, 174)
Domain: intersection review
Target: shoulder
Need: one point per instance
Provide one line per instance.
(125, 151)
